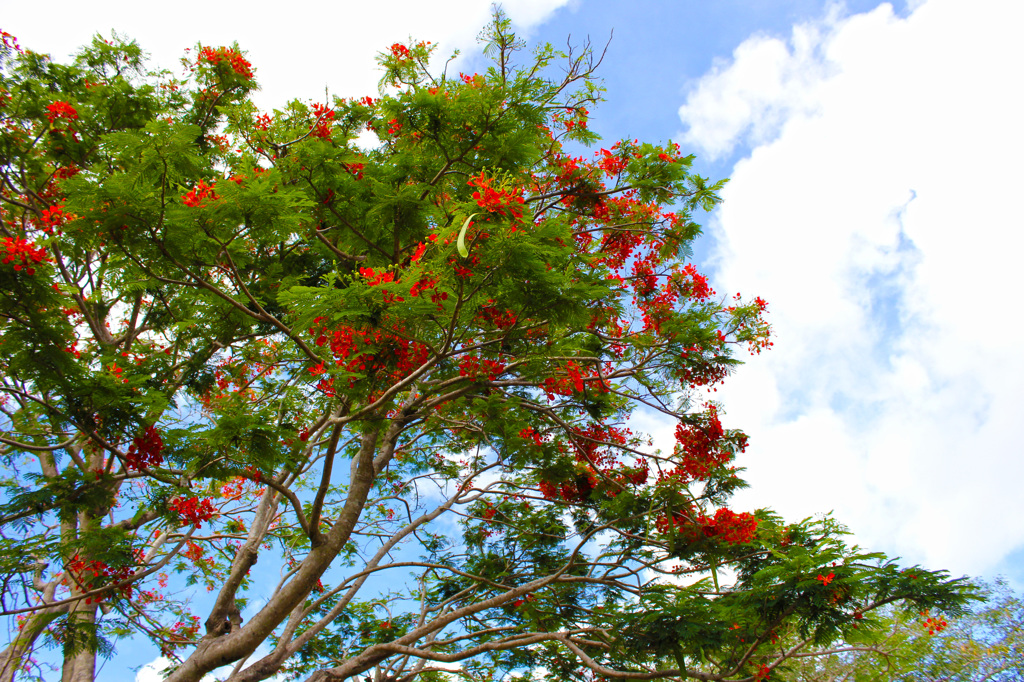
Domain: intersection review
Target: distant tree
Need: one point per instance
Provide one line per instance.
(400, 379)
(984, 645)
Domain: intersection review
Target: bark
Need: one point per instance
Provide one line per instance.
(80, 660)
(225, 645)
(13, 657)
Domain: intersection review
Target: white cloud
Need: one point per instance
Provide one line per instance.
(297, 52)
(877, 213)
(151, 672)
(154, 671)
(765, 83)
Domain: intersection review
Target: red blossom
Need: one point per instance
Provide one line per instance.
(24, 254)
(61, 110)
(612, 165)
(322, 127)
(702, 447)
(195, 196)
(421, 248)
(145, 451)
(471, 366)
(934, 625)
(234, 59)
(54, 218)
(379, 352)
(192, 511)
(356, 169)
(726, 526)
(496, 200)
(92, 575)
(694, 284)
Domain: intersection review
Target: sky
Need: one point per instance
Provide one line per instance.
(874, 155)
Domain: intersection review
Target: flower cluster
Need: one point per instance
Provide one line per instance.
(91, 575)
(574, 492)
(496, 200)
(9, 42)
(182, 632)
(426, 283)
(192, 511)
(145, 451)
(374, 278)
(54, 218)
(372, 352)
(595, 463)
(195, 196)
(694, 284)
(702, 446)
(489, 314)
(702, 368)
(356, 169)
(726, 526)
(657, 309)
(324, 116)
(64, 172)
(618, 245)
(24, 254)
(730, 527)
(934, 625)
(471, 366)
(235, 60)
(60, 110)
(587, 441)
(241, 486)
(611, 164)
(531, 435)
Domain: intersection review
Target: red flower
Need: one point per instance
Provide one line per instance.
(612, 165)
(23, 254)
(495, 200)
(826, 579)
(324, 115)
(697, 287)
(420, 250)
(193, 511)
(145, 451)
(61, 110)
(236, 61)
(194, 197)
(55, 217)
(399, 51)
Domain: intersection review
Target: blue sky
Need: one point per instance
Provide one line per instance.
(874, 154)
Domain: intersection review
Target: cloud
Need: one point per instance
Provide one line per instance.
(298, 52)
(876, 211)
(154, 671)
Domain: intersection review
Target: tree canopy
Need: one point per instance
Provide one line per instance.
(287, 403)
(984, 645)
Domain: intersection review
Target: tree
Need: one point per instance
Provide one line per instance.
(985, 644)
(400, 378)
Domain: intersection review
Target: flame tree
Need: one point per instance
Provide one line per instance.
(401, 378)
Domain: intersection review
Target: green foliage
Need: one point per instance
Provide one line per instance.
(383, 394)
(983, 643)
